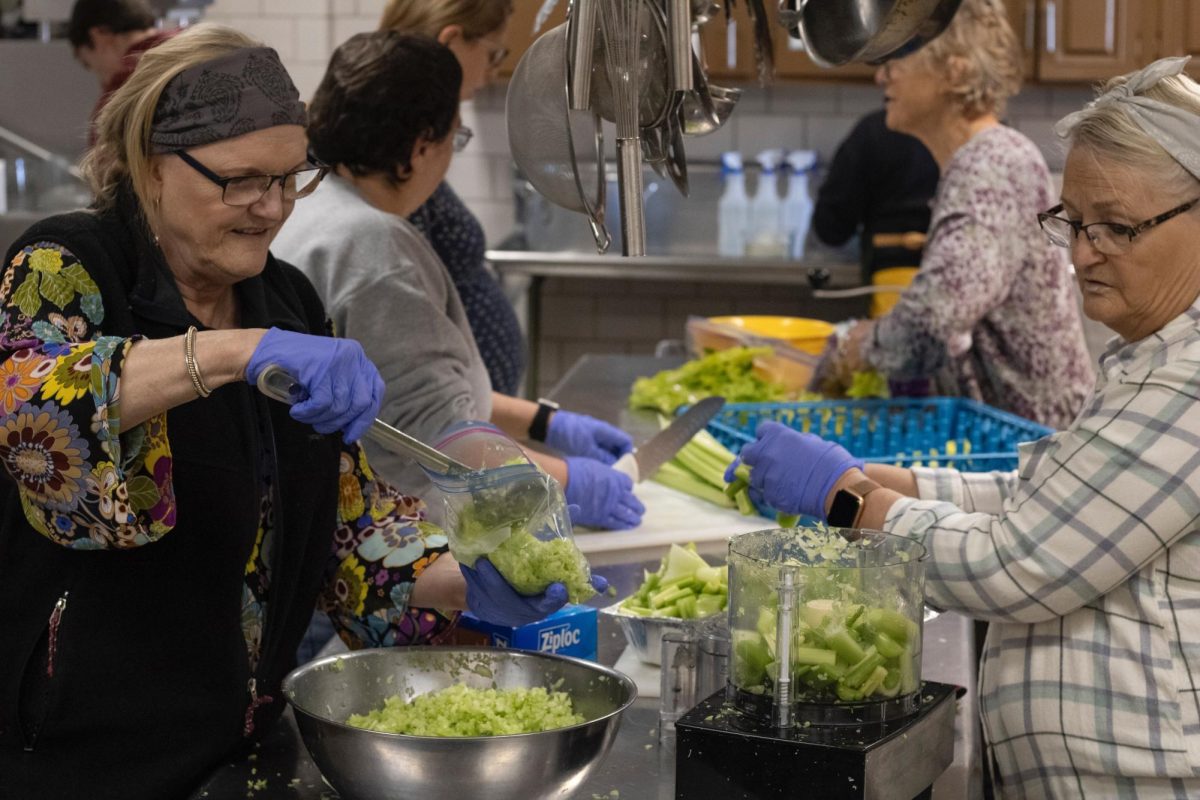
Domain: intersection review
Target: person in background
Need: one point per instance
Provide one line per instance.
(166, 530)
(1086, 558)
(880, 182)
(385, 118)
(473, 30)
(991, 315)
(108, 37)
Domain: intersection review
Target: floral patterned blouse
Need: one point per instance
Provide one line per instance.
(86, 483)
(992, 314)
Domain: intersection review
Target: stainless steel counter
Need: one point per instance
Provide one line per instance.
(527, 271)
(817, 273)
(640, 766)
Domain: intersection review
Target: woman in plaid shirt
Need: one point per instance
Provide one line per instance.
(1086, 560)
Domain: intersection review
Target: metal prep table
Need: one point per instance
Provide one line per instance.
(533, 268)
(638, 767)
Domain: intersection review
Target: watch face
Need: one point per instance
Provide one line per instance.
(845, 508)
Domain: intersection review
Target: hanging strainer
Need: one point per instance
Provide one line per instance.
(543, 133)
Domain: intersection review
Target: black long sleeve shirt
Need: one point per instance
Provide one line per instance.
(882, 182)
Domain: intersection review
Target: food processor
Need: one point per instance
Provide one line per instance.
(824, 697)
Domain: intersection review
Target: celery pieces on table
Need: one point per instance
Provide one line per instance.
(684, 587)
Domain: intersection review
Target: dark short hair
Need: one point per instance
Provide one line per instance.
(119, 16)
(382, 92)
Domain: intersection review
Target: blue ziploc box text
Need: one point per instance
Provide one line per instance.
(570, 631)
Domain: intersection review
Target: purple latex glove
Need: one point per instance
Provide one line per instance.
(581, 435)
(342, 387)
(604, 496)
(794, 472)
(493, 600)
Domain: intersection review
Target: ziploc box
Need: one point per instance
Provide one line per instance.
(570, 631)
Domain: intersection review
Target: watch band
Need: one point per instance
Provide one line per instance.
(541, 419)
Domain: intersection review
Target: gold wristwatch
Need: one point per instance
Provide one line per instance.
(848, 504)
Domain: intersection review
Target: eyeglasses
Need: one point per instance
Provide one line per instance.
(1109, 238)
(246, 190)
(496, 53)
(462, 137)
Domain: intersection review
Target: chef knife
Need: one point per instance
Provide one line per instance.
(645, 460)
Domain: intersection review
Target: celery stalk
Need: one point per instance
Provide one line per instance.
(682, 480)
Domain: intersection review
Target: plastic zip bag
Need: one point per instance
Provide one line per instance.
(510, 512)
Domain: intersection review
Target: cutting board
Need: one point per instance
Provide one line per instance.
(671, 517)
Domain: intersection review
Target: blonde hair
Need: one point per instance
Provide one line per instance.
(980, 57)
(1109, 131)
(122, 149)
(477, 18)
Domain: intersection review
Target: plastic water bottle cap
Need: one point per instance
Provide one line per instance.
(731, 163)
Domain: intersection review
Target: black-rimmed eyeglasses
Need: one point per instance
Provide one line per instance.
(1109, 238)
(246, 190)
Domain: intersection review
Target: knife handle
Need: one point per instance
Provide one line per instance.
(627, 464)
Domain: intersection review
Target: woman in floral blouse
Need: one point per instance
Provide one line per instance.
(166, 529)
(1086, 559)
(992, 314)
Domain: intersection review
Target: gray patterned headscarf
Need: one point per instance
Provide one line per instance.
(243, 91)
(1175, 129)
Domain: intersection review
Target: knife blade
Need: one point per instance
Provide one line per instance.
(662, 446)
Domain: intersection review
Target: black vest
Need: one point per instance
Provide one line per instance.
(150, 686)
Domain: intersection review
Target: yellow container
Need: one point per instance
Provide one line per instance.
(807, 335)
(900, 277)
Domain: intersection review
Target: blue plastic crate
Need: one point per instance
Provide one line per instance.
(931, 431)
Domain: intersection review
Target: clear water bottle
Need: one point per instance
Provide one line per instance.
(733, 210)
(797, 203)
(766, 234)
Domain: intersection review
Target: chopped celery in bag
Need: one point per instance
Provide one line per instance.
(510, 512)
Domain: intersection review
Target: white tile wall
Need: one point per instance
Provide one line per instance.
(579, 316)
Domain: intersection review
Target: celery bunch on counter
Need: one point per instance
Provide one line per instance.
(699, 470)
(684, 587)
(727, 373)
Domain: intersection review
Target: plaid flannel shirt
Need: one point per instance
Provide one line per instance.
(1087, 562)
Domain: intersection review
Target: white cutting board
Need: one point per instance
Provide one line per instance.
(671, 517)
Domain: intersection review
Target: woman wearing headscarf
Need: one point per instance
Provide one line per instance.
(166, 530)
(1086, 559)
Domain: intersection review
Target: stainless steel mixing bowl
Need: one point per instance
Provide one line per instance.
(363, 764)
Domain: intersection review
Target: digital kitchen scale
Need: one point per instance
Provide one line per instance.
(723, 754)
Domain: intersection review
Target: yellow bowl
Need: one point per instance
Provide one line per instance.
(804, 334)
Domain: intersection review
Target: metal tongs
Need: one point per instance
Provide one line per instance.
(276, 383)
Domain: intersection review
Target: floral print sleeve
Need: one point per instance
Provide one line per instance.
(84, 483)
(381, 546)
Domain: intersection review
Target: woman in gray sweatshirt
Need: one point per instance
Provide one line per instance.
(385, 118)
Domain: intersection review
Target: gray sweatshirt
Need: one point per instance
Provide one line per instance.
(384, 286)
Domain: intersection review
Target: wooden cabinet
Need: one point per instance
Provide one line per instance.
(1089, 40)
(1023, 16)
(520, 31)
(1063, 41)
(728, 50)
(1179, 31)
